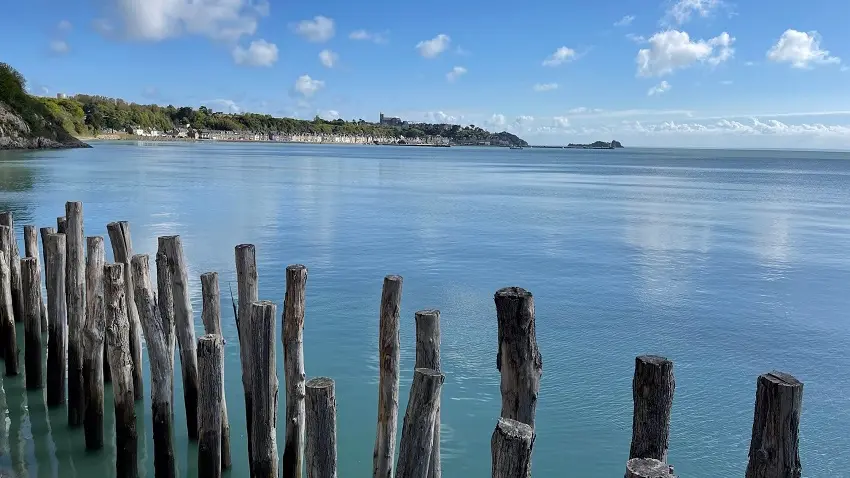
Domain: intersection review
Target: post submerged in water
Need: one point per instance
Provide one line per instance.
(6, 219)
(774, 447)
(31, 250)
(417, 434)
(57, 334)
(93, 337)
(292, 337)
(320, 454)
(122, 252)
(248, 292)
(211, 316)
(7, 315)
(33, 347)
(428, 356)
(510, 448)
(388, 363)
(210, 357)
(75, 290)
(262, 366)
(652, 391)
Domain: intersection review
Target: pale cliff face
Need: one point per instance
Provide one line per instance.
(15, 133)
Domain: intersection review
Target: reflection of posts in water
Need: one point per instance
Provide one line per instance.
(16, 404)
(42, 440)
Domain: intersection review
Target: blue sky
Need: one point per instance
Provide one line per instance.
(673, 72)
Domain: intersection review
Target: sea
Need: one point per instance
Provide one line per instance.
(731, 263)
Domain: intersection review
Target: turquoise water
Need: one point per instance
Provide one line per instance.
(731, 263)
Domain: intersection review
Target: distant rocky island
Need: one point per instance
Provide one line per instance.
(597, 145)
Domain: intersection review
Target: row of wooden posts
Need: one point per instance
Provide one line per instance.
(93, 307)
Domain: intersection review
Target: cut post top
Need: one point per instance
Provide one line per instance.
(512, 293)
(782, 379)
(514, 429)
(320, 382)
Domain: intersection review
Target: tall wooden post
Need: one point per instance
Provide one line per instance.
(158, 326)
(118, 334)
(57, 313)
(511, 449)
(320, 428)
(75, 289)
(95, 333)
(61, 225)
(122, 252)
(652, 390)
(7, 315)
(774, 447)
(417, 435)
(388, 361)
(15, 267)
(210, 369)
(31, 250)
(293, 364)
(264, 381)
(428, 356)
(518, 358)
(184, 322)
(44, 232)
(33, 351)
(248, 290)
(211, 315)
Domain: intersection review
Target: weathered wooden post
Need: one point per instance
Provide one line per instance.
(14, 258)
(184, 323)
(388, 358)
(774, 447)
(320, 427)
(511, 449)
(518, 359)
(417, 434)
(248, 291)
(293, 364)
(95, 332)
(122, 252)
(31, 250)
(158, 325)
(7, 314)
(75, 290)
(262, 365)
(211, 316)
(210, 357)
(61, 225)
(57, 312)
(648, 468)
(33, 351)
(118, 334)
(652, 390)
(428, 356)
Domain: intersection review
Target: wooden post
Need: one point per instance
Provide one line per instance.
(388, 358)
(57, 313)
(95, 331)
(61, 225)
(518, 357)
(648, 468)
(118, 334)
(75, 290)
(7, 315)
(417, 435)
(33, 351)
(774, 448)
(248, 291)
(428, 356)
(158, 325)
(211, 315)
(31, 250)
(293, 364)
(210, 357)
(15, 267)
(122, 252)
(511, 449)
(184, 323)
(262, 366)
(652, 390)
(320, 426)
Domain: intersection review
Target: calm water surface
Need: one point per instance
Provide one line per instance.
(731, 263)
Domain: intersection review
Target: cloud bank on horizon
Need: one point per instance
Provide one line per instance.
(677, 72)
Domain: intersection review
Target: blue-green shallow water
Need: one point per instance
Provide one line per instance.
(732, 263)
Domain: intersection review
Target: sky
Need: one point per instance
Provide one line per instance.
(702, 73)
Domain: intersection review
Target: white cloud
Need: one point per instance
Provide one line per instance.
(523, 120)
(320, 29)
(671, 49)
(258, 53)
(545, 86)
(844, 68)
(59, 47)
(753, 127)
(456, 73)
(635, 38)
(64, 26)
(680, 11)
(433, 47)
(497, 121)
(308, 86)
(365, 35)
(328, 58)
(561, 55)
(228, 106)
(218, 19)
(626, 20)
(329, 115)
(801, 50)
(659, 89)
(439, 117)
(561, 121)
(749, 63)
